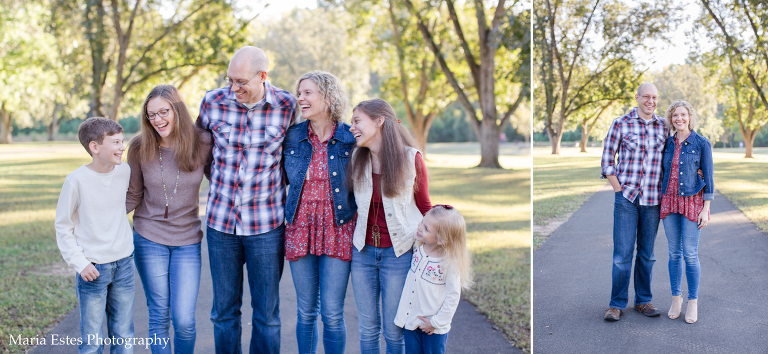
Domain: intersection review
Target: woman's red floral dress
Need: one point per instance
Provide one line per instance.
(314, 229)
(672, 202)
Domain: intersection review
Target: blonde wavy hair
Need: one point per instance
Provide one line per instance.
(451, 230)
(693, 118)
(331, 91)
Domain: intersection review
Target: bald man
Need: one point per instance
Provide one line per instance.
(638, 139)
(244, 216)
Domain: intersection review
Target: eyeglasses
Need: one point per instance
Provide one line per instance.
(240, 82)
(162, 113)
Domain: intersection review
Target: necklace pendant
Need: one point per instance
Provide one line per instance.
(166, 212)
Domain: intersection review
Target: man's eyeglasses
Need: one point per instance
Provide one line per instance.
(162, 113)
(240, 83)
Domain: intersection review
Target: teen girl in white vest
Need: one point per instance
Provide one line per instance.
(388, 176)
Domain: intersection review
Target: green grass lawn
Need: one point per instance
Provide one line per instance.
(36, 293)
(496, 206)
(495, 203)
(562, 183)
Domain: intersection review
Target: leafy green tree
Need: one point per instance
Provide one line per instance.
(496, 61)
(741, 62)
(138, 43)
(687, 82)
(586, 50)
(23, 49)
(304, 40)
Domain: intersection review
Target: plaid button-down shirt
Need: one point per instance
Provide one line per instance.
(639, 145)
(247, 188)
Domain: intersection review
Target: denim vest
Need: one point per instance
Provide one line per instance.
(297, 153)
(695, 154)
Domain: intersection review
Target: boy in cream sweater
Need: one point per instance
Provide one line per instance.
(95, 238)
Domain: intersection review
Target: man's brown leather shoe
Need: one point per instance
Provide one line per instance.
(648, 310)
(613, 314)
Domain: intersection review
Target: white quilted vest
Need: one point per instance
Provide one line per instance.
(403, 217)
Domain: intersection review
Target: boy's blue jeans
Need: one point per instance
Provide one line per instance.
(418, 342)
(263, 256)
(633, 223)
(683, 241)
(112, 292)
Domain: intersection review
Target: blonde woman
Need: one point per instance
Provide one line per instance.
(685, 203)
(319, 211)
(167, 162)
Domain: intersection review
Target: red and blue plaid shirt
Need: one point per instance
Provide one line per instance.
(247, 187)
(639, 145)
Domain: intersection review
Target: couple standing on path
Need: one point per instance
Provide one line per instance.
(657, 176)
(247, 144)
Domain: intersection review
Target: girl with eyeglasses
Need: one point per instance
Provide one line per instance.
(168, 160)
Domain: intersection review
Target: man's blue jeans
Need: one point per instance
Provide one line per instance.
(633, 223)
(683, 240)
(378, 273)
(263, 256)
(112, 292)
(171, 279)
(321, 286)
(418, 342)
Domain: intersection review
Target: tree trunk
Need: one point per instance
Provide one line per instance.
(6, 126)
(554, 141)
(489, 144)
(97, 40)
(53, 128)
(749, 140)
(584, 137)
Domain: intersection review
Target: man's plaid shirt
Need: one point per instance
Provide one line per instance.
(639, 145)
(247, 188)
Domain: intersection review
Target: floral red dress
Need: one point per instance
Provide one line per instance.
(672, 202)
(314, 230)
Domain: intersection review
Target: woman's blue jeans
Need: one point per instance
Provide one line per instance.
(378, 274)
(683, 239)
(171, 279)
(320, 280)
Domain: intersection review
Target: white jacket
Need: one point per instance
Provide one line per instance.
(401, 212)
(430, 291)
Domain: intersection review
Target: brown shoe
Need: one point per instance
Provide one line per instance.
(613, 314)
(648, 310)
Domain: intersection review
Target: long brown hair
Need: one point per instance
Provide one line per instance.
(186, 143)
(394, 155)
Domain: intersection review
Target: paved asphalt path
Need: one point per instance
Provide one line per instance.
(572, 289)
(470, 331)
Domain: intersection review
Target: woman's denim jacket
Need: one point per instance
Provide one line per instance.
(297, 153)
(695, 154)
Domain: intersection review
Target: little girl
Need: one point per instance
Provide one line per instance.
(440, 268)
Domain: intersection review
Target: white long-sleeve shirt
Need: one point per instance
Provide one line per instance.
(91, 223)
(430, 291)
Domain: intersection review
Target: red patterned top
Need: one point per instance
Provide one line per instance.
(671, 202)
(314, 229)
